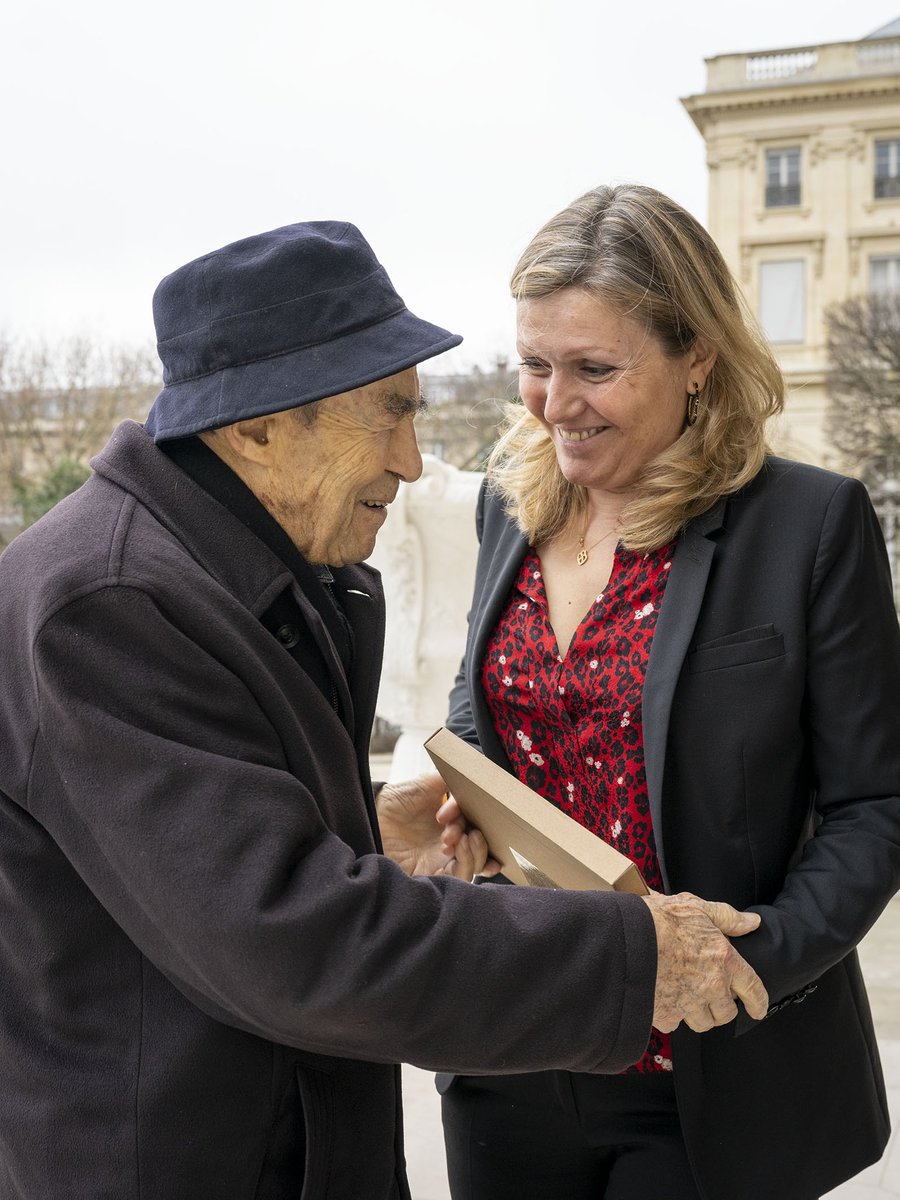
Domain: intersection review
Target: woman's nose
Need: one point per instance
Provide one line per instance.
(560, 400)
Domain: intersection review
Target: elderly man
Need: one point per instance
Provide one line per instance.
(208, 967)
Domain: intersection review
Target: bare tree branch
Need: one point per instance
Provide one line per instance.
(59, 405)
(863, 416)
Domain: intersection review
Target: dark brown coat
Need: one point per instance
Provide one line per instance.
(207, 971)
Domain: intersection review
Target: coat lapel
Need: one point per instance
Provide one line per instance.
(363, 603)
(684, 593)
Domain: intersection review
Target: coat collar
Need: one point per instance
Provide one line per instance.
(245, 566)
(230, 552)
(218, 480)
(223, 546)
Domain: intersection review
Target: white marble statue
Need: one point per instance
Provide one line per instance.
(426, 553)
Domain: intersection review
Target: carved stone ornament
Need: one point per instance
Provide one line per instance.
(426, 554)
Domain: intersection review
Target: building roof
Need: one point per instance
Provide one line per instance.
(892, 29)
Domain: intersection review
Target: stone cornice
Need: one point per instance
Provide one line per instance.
(711, 106)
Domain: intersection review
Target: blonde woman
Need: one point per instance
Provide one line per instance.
(690, 647)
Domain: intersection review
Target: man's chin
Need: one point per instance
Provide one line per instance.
(369, 551)
(347, 555)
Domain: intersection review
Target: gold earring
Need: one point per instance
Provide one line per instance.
(693, 405)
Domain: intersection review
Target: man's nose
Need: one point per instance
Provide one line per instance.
(406, 460)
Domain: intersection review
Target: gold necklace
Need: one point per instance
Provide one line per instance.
(584, 552)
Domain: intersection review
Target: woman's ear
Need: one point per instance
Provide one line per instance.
(701, 357)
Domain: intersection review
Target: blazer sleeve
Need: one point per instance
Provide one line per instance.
(850, 868)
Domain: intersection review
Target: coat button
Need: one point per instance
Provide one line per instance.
(288, 636)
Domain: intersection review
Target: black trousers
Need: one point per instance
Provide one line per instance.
(558, 1136)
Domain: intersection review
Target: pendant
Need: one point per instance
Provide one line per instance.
(582, 556)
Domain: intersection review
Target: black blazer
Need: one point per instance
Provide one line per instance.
(771, 716)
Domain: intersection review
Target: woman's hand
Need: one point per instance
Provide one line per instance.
(425, 833)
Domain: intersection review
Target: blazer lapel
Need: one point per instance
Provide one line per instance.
(684, 593)
(503, 568)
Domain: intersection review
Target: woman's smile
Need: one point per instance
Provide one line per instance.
(573, 436)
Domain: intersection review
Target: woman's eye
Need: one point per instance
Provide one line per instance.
(596, 371)
(532, 364)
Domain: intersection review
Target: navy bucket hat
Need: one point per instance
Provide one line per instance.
(276, 321)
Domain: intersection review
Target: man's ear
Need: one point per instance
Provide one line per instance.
(249, 440)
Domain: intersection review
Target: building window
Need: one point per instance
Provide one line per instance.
(782, 300)
(887, 168)
(884, 275)
(783, 178)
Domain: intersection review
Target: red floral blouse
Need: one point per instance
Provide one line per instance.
(572, 727)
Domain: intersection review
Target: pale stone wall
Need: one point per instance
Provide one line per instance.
(426, 553)
(832, 102)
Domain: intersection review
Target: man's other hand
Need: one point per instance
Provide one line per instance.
(700, 974)
(426, 834)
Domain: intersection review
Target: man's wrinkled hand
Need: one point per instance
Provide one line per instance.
(700, 975)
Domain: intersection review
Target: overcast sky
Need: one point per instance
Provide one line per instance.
(137, 136)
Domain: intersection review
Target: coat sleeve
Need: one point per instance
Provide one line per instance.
(158, 771)
(850, 868)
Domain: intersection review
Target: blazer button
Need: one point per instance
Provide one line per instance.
(288, 636)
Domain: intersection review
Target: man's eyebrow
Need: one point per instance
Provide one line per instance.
(400, 405)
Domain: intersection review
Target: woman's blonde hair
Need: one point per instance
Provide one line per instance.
(644, 256)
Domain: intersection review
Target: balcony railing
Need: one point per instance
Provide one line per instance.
(780, 66)
(782, 195)
(887, 186)
(802, 64)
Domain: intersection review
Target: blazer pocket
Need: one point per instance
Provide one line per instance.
(737, 649)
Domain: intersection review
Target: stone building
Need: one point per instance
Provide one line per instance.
(464, 412)
(803, 147)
